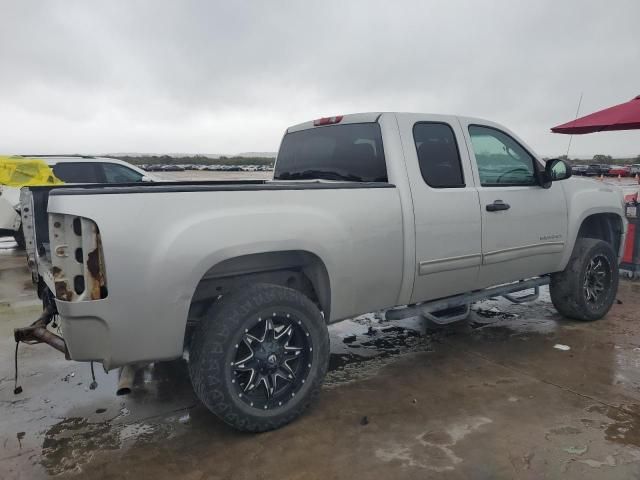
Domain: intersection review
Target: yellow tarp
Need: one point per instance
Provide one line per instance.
(26, 172)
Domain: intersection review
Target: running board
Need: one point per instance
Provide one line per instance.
(524, 298)
(459, 313)
(429, 308)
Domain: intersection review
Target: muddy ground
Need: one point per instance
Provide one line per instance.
(497, 396)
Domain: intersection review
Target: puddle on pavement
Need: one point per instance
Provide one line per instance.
(513, 319)
(625, 426)
(360, 346)
(107, 422)
(72, 441)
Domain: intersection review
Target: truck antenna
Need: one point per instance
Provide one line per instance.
(577, 112)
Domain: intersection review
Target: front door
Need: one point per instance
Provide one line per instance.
(524, 226)
(445, 205)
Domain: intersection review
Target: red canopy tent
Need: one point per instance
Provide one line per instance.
(625, 116)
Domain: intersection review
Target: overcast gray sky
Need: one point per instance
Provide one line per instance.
(228, 77)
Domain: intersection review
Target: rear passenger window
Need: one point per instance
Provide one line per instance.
(351, 152)
(438, 155)
(81, 172)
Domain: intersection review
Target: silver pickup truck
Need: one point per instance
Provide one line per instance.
(365, 212)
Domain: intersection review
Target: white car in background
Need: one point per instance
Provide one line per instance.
(69, 169)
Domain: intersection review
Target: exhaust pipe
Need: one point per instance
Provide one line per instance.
(125, 379)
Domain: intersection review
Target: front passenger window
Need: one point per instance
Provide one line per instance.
(501, 160)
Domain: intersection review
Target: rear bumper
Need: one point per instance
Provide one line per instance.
(87, 336)
(97, 331)
(87, 339)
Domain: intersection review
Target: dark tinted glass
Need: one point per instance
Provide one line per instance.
(115, 173)
(76, 172)
(350, 152)
(438, 155)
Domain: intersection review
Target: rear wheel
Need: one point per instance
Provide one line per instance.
(259, 357)
(587, 287)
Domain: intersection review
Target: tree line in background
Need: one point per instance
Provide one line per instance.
(195, 160)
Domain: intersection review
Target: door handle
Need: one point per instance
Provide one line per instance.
(498, 205)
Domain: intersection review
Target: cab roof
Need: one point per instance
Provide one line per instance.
(53, 159)
(368, 117)
(371, 117)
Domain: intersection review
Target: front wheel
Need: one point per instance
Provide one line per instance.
(587, 287)
(258, 358)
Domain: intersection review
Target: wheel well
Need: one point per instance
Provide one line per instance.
(603, 226)
(297, 269)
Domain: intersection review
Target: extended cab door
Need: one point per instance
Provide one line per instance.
(524, 226)
(445, 204)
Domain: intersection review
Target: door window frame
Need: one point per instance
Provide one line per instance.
(536, 166)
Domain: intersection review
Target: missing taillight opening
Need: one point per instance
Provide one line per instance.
(77, 259)
(77, 226)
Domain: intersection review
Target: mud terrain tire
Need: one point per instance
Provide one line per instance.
(228, 387)
(587, 287)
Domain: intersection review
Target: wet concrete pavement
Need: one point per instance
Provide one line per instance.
(498, 396)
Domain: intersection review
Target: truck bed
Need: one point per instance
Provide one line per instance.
(40, 198)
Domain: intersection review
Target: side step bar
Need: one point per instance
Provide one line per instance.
(472, 297)
(447, 316)
(524, 298)
(430, 309)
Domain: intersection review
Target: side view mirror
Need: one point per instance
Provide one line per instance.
(147, 179)
(554, 170)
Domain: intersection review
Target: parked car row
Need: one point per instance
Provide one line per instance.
(163, 168)
(215, 168)
(596, 169)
